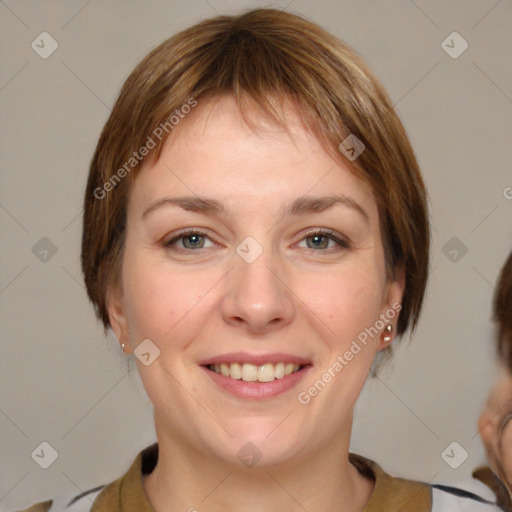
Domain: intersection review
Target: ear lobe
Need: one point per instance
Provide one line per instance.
(392, 303)
(117, 317)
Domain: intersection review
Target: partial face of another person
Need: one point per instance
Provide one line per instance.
(495, 426)
(228, 258)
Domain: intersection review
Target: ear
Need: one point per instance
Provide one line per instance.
(391, 306)
(117, 317)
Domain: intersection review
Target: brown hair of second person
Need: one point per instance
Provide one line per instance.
(502, 312)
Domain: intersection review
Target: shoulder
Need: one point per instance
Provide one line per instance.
(395, 493)
(76, 503)
(392, 493)
(43, 506)
(107, 498)
(448, 499)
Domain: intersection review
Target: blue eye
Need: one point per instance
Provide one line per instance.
(324, 240)
(190, 240)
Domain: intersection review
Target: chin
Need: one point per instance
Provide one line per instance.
(261, 444)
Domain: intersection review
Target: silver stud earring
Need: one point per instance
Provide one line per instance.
(388, 329)
(122, 346)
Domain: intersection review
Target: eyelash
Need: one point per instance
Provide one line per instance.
(331, 235)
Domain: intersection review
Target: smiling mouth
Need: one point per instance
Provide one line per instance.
(255, 373)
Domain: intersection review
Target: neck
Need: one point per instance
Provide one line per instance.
(186, 479)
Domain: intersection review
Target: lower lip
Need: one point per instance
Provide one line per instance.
(257, 389)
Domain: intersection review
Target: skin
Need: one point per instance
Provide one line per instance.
(294, 298)
(495, 426)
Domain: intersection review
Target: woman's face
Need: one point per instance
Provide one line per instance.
(225, 262)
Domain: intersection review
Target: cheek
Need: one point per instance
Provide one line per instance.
(159, 301)
(348, 299)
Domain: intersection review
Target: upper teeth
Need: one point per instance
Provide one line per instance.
(251, 373)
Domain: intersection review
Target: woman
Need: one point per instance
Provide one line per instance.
(255, 233)
(495, 425)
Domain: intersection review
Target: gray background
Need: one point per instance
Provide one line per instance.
(62, 382)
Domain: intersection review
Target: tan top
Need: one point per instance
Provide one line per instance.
(127, 494)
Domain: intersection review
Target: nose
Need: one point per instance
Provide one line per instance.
(256, 298)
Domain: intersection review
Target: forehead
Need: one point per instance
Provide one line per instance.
(214, 152)
(219, 120)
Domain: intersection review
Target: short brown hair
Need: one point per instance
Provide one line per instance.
(502, 312)
(259, 55)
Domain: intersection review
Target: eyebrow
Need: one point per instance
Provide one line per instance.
(300, 206)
